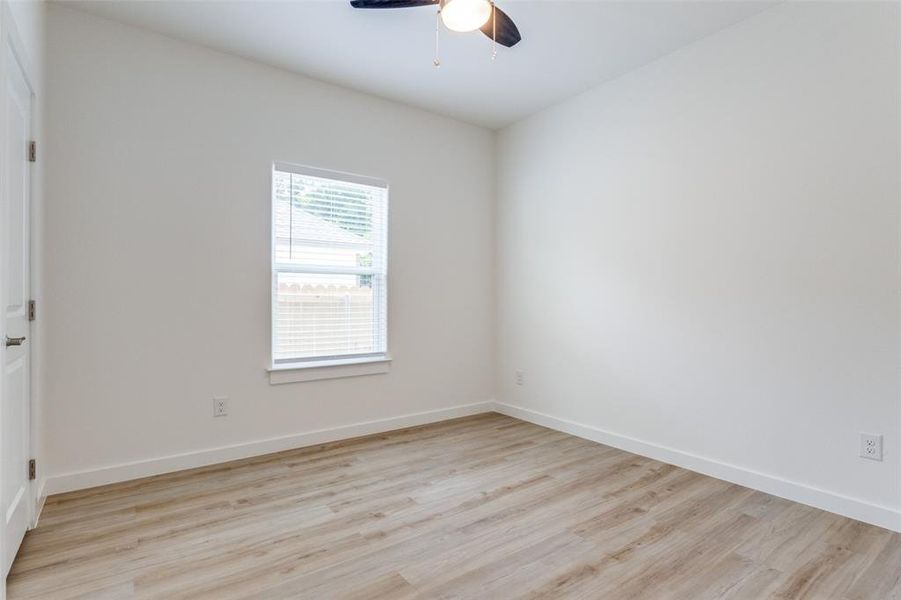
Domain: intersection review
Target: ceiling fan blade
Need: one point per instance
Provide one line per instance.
(507, 33)
(391, 3)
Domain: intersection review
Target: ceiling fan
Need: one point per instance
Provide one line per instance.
(462, 16)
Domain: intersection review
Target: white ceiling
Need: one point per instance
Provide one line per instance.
(568, 46)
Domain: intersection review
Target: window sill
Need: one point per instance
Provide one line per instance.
(332, 369)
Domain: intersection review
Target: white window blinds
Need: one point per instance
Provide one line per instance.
(329, 265)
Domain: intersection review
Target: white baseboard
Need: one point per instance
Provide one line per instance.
(883, 516)
(67, 482)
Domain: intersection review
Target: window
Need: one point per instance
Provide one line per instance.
(329, 268)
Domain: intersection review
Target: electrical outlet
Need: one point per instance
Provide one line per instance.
(871, 446)
(220, 406)
(520, 377)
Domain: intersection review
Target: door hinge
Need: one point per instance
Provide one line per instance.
(32, 151)
(32, 469)
(32, 311)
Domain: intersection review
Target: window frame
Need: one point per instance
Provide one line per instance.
(325, 367)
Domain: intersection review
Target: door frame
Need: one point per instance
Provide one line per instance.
(12, 47)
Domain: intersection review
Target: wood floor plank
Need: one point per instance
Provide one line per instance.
(479, 507)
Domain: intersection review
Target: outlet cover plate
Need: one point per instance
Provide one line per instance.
(220, 406)
(871, 446)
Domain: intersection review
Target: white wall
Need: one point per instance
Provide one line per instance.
(700, 259)
(157, 237)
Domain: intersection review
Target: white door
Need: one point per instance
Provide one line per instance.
(15, 333)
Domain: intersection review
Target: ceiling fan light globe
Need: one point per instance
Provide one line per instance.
(465, 15)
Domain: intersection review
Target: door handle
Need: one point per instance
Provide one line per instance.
(14, 341)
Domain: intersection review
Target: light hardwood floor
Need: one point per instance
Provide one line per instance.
(484, 507)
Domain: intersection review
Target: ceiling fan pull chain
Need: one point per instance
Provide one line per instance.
(493, 31)
(437, 61)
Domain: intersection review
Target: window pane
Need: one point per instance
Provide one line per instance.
(329, 263)
(328, 315)
(327, 222)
